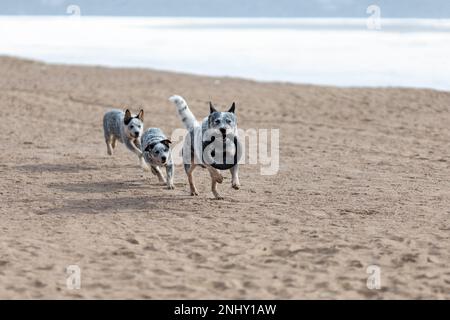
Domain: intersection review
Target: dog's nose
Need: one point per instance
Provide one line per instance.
(223, 131)
(163, 159)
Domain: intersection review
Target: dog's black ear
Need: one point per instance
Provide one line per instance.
(140, 115)
(211, 108)
(127, 117)
(166, 142)
(233, 106)
(150, 147)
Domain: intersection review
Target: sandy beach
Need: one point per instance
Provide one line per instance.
(363, 180)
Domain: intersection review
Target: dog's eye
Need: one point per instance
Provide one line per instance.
(228, 121)
(156, 152)
(217, 121)
(131, 127)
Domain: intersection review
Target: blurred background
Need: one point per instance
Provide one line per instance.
(330, 42)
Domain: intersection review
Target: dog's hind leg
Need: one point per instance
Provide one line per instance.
(235, 177)
(216, 177)
(108, 136)
(113, 142)
(109, 145)
(157, 172)
(189, 169)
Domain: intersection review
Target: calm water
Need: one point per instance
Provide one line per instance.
(342, 52)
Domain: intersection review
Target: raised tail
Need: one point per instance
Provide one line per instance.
(184, 112)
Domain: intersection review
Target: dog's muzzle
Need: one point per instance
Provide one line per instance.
(223, 131)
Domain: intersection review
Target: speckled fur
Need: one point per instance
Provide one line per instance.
(157, 153)
(225, 122)
(126, 128)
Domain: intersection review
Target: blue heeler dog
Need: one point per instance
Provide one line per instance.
(126, 128)
(156, 149)
(211, 144)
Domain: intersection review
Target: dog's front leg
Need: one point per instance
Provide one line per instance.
(189, 168)
(169, 173)
(216, 177)
(134, 146)
(142, 162)
(235, 177)
(157, 172)
(131, 145)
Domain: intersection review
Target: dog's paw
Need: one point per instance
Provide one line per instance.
(170, 187)
(144, 166)
(218, 197)
(236, 186)
(194, 193)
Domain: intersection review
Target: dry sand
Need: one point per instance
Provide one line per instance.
(364, 180)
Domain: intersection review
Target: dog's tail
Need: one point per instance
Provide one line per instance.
(184, 112)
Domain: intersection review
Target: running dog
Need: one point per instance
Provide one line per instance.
(126, 128)
(156, 150)
(208, 142)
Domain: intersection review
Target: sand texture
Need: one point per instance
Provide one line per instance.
(364, 180)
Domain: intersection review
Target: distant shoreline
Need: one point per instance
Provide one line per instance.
(338, 52)
(187, 74)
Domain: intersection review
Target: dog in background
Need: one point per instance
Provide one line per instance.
(223, 126)
(156, 151)
(126, 128)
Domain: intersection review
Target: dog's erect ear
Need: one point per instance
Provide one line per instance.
(140, 116)
(233, 106)
(166, 142)
(211, 108)
(127, 117)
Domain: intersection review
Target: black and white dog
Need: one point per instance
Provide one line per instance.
(126, 128)
(212, 144)
(156, 150)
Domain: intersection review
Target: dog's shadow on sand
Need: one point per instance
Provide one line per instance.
(100, 187)
(139, 204)
(59, 168)
(117, 203)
